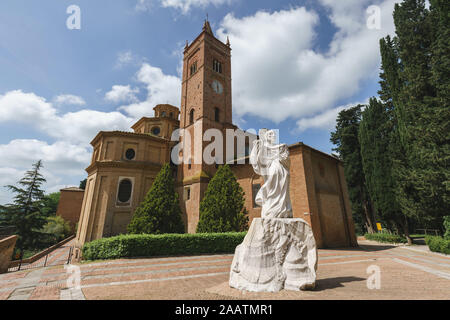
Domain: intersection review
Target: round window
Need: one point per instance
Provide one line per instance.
(156, 131)
(124, 191)
(130, 154)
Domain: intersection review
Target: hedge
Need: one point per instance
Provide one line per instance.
(385, 237)
(148, 245)
(438, 244)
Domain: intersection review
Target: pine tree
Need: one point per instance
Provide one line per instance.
(25, 213)
(160, 211)
(222, 208)
(346, 139)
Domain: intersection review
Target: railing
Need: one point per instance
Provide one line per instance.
(44, 258)
(435, 231)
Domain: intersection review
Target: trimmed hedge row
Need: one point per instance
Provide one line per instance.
(385, 237)
(148, 245)
(438, 244)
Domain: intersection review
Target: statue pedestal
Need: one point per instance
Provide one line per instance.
(276, 254)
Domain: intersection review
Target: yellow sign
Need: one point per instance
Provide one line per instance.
(379, 226)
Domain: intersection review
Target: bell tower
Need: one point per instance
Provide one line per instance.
(205, 104)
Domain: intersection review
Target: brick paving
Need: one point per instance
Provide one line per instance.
(406, 273)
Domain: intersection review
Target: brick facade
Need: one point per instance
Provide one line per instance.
(69, 205)
(318, 189)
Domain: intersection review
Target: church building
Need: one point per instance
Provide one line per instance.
(125, 164)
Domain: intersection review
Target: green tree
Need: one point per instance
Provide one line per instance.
(160, 211)
(57, 229)
(25, 213)
(345, 137)
(83, 184)
(50, 204)
(377, 136)
(222, 207)
(416, 70)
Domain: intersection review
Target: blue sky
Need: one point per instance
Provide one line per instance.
(295, 65)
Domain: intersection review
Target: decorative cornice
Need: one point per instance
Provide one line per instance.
(123, 165)
(127, 134)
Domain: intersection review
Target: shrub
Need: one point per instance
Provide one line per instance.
(222, 207)
(447, 227)
(385, 237)
(57, 229)
(148, 245)
(438, 244)
(160, 211)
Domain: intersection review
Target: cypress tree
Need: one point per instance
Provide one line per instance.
(376, 136)
(222, 207)
(421, 108)
(160, 211)
(346, 139)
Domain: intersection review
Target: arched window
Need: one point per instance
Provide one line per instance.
(124, 193)
(191, 117)
(216, 114)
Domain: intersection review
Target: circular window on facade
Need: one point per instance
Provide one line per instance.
(130, 154)
(156, 131)
(124, 191)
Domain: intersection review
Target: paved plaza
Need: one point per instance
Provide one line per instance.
(405, 273)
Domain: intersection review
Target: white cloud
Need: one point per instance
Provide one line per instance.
(68, 156)
(182, 5)
(78, 127)
(60, 159)
(120, 93)
(275, 65)
(325, 120)
(161, 88)
(69, 99)
(128, 58)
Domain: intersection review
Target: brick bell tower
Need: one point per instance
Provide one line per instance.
(205, 104)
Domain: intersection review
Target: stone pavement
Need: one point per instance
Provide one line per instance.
(342, 274)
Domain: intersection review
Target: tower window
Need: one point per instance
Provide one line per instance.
(216, 114)
(194, 68)
(191, 117)
(217, 66)
(163, 114)
(187, 193)
(124, 194)
(171, 115)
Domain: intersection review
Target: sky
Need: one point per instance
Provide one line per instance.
(295, 65)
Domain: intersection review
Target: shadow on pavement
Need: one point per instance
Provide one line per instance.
(331, 283)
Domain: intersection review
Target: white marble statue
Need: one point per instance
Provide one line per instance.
(278, 252)
(271, 161)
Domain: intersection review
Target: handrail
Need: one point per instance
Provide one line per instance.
(39, 255)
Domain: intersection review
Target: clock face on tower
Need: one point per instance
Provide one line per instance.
(217, 87)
